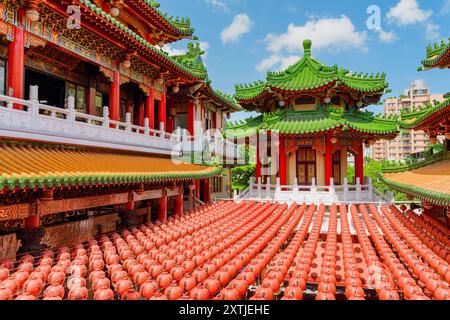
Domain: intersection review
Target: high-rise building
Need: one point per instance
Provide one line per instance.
(407, 143)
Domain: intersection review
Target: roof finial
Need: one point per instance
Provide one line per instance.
(307, 47)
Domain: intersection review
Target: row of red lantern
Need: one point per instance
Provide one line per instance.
(435, 232)
(380, 278)
(260, 243)
(431, 219)
(326, 289)
(353, 283)
(434, 245)
(411, 291)
(297, 276)
(273, 271)
(429, 273)
(408, 257)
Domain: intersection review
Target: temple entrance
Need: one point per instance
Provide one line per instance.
(52, 90)
(306, 165)
(337, 167)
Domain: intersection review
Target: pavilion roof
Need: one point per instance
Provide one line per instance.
(438, 56)
(427, 116)
(308, 75)
(288, 121)
(26, 165)
(428, 180)
(185, 65)
(175, 25)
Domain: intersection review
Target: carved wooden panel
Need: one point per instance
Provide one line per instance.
(147, 195)
(55, 206)
(13, 212)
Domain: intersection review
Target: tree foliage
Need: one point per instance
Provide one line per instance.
(371, 169)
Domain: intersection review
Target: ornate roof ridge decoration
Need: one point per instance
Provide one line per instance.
(200, 74)
(323, 119)
(192, 58)
(309, 74)
(437, 54)
(182, 25)
(98, 167)
(417, 117)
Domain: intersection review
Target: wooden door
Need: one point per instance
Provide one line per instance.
(306, 165)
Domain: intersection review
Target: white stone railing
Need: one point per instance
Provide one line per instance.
(37, 121)
(345, 193)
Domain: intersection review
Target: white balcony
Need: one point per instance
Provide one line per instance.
(328, 195)
(36, 121)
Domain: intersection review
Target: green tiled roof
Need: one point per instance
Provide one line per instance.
(181, 25)
(227, 99)
(180, 63)
(288, 121)
(435, 54)
(412, 119)
(309, 74)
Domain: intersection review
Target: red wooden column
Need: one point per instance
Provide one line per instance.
(141, 113)
(197, 189)
(162, 111)
(359, 163)
(114, 97)
(191, 118)
(16, 65)
(282, 158)
(206, 191)
(150, 108)
(328, 159)
(162, 209)
(258, 160)
(179, 203)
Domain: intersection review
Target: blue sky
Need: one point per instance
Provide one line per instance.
(244, 38)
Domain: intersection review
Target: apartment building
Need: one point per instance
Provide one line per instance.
(411, 142)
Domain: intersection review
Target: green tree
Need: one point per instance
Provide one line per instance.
(241, 176)
(371, 169)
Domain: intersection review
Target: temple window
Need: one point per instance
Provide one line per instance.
(79, 92)
(2, 76)
(305, 103)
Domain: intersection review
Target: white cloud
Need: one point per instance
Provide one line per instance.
(276, 62)
(432, 31)
(241, 25)
(218, 4)
(386, 36)
(408, 12)
(334, 34)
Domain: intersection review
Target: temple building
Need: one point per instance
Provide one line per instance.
(428, 180)
(315, 111)
(92, 115)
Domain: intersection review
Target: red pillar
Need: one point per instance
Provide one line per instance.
(282, 158)
(179, 204)
(150, 108)
(328, 159)
(359, 163)
(32, 222)
(162, 112)
(91, 101)
(16, 65)
(206, 191)
(141, 113)
(162, 209)
(197, 189)
(191, 117)
(114, 97)
(258, 160)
